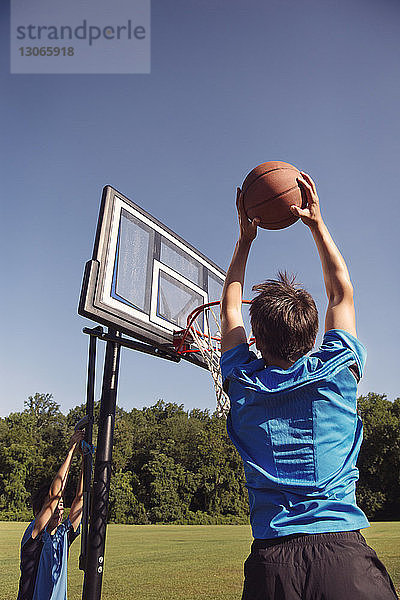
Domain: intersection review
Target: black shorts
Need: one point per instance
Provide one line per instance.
(325, 566)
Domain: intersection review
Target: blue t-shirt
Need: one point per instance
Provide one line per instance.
(299, 435)
(50, 578)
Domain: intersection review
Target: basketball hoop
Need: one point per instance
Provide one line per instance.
(203, 335)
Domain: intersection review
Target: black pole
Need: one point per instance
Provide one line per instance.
(87, 458)
(102, 475)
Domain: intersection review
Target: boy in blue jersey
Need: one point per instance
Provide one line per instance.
(293, 419)
(46, 541)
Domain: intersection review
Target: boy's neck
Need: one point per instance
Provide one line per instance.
(271, 361)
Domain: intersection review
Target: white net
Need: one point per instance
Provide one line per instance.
(204, 333)
(209, 345)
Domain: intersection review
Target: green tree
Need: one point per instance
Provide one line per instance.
(378, 490)
(221, 490)
(170, 488)
(124, 507)
(33, 445)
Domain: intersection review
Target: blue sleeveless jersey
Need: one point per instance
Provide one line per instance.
(299, 435)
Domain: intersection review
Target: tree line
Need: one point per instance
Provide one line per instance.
(176, 466)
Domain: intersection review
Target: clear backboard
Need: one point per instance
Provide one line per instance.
(143, 279)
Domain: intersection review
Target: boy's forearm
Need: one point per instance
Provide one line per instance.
(336, 275)
(233, 288)
(58, 483)
(79, 485)
(75, 514)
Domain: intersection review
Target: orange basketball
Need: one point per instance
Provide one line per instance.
(268, 192)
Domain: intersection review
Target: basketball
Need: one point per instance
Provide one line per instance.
(269, 191)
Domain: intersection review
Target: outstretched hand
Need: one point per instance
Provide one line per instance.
(75, 442)
(311, 215)
(248, 229)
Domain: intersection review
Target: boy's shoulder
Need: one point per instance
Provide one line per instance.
(67, 533)
(337, 346)
(239, 356)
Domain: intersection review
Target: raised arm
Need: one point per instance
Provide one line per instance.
(75, 514)
(340, 313)
(232, 328)
(57, 487)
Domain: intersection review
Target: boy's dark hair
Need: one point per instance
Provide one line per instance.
(38, 498)
(284, 318)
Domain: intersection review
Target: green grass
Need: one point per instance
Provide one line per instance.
(173, 562)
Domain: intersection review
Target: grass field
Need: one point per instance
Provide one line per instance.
(173, 562)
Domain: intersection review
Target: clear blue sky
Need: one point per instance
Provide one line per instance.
(232, 84)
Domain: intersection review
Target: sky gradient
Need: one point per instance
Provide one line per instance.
(232, 85)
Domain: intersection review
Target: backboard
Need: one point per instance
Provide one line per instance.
(143, 279)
